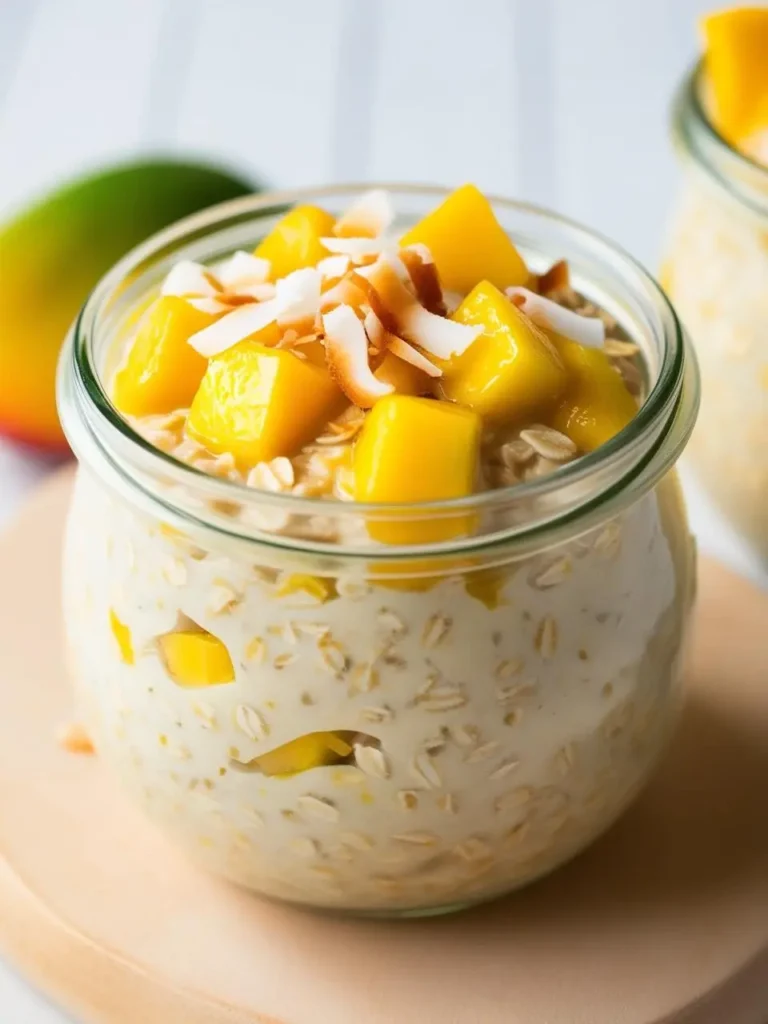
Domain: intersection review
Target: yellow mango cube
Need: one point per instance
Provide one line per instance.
(317, 589)
(736, 60)
(195, 658)
(405, 378)
(258, 403)
(596, 404)
(467, 243)
(294, 242)
(512, 372)
(123, 638)
(415, 450)
(162, 372)
(315, 750)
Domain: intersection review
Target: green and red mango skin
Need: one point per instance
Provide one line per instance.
(54, 252)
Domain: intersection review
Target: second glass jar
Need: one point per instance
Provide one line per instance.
(716, 273)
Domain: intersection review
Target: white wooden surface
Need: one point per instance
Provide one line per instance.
(563, 102)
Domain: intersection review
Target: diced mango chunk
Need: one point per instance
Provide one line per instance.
(737, 68)
(162, 372)
(467, 243)
(258, 403)
(196, 658)
(414, 450)
(122, 635)
(314, 750)
(405, 378)
(294, 242)
(487, 586)
(512, 371)
(597, 404)
(317, 588)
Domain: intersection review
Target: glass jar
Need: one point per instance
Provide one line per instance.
(486, 705)
(716, 273)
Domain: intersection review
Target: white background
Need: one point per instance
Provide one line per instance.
(563, 102)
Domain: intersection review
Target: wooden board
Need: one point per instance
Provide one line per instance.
(664, 919)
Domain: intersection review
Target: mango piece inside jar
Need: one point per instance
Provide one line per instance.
(258, 403)
(294, 242)
(123, 638)
(315, 750)
(404, 377)
(417, 450)
(737, 71)
(597, 404)
(467, 243)
(318, 588)
(195, 658)
(512, 372)
(162, 372)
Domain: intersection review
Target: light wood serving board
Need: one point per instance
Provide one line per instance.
(665, 919)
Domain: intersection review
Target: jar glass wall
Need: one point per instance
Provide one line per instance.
(381, 729)
(716, 273)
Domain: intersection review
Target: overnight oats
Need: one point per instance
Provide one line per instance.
(377, 572)
(716, 264)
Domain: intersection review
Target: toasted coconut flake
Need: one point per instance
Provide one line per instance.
(368, 217)
(588, 331)
(189, 278)
(206, 305)
(558, 276)
(349, 291)
(435, 334)
(409, 354)
(355, 248)
(259, 292)
(298, 295)
(346, 350)
(378, 336)
(423, 273)
(243, 269)
(452, 301)
(234, 327)
(333, 267)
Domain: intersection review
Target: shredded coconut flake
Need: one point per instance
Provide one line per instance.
(369, 216)
(242, 270)
(206, 305)
(234, 327)
(435, 334)
(346, 350)
(297, 298)
(333, 266)
(588, 331)
(189, 278)
(355, 248)
(409, 354)
(349, 291)
(418, 261)
(298, 295)
(259, 292)
(374, 328)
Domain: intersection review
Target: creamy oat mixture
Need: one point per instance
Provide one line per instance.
(365, 743)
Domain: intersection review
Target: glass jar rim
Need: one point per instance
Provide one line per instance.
(639, 454)
(743, 177)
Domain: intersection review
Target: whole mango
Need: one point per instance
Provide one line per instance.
(54, 252)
